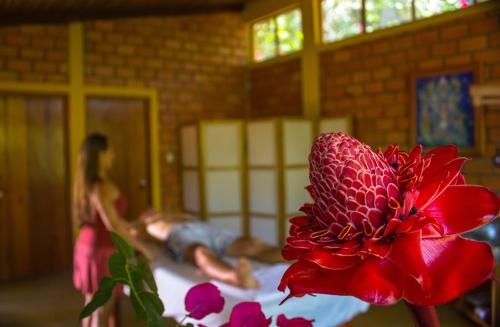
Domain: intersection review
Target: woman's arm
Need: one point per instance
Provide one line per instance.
(102, 200)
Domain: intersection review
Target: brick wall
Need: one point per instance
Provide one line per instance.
(276, 89)
(370, 81)
(34, 53)
(197, 63)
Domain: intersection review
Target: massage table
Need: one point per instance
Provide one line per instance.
(174, 279)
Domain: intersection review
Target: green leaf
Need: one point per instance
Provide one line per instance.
(117, 267)
(140, 312)
(122, 246)
(154, 309)
(100, 298)
(136, 279)
(147, 274)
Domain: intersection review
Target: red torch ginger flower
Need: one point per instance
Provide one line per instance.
(386, 226)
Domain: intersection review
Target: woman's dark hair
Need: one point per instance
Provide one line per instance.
(87, 175)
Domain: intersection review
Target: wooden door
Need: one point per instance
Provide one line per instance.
(35, 223)
(124, 121)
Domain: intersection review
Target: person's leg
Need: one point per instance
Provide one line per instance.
(87, 322)
(255, 248)
(213, 267)
(104, 314)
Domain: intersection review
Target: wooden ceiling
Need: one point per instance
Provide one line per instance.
(31, 11)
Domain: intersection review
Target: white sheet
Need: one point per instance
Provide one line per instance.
(175, 279)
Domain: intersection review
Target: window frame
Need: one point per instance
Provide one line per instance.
(273, 17)
(364, 33)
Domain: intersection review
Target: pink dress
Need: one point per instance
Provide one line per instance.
(92, 251)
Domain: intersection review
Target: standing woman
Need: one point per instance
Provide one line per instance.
(98, 209)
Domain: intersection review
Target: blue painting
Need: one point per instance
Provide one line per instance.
(444, 111)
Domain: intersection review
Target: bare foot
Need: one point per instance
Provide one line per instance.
(244, 274)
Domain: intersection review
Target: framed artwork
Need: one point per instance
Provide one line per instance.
(443, 112)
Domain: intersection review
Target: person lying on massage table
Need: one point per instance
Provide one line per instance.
(187, 239)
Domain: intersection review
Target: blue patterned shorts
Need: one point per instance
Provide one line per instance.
(184, 235)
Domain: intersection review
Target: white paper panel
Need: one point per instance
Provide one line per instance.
(227, 223)
(287, 226)
(261, 143)
(297, 141)
(223, 191)
(295, 194)
(221, 144)
(189, 145)
(262, 191)
(264, 228)
(190, 190)
(331, 125)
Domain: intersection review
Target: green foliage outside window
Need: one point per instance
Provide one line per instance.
(433, 7)
(289, 31)
(278, 35)
(341, 18)
(386, 13)
(264, 40)
(344, 18)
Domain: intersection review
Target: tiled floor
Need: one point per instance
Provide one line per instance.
(52, 302)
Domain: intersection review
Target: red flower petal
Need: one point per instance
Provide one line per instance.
(283, 321)
(439, 157)
(328, 260)
(463, 207)
(202, 300)
(248, 314)
(433, 185)
(372, 280)
(406, 254)
(455, 266)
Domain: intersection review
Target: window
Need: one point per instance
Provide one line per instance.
(344, 18)
(278, 35)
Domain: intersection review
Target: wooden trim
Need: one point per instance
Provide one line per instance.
(280, 179)
(275, 60)
(484, 95)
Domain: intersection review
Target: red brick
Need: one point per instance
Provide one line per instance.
(381, 47)
(32, 77)
(402, 43)
(398, 137)
(454, 32)
(31, 53)
(473, 43)
(19, 65)
(444, 49)
(373, 61)
(395, 58)
(42, 42)
(495, 71)
(17, 39)
(396, 84)
(458, 60)
(46, 67)
(33, 29)
(374, 87)
(6, 51)
(426, 38)
(56, 55)
(104, 47)
(385, 124)
(418, 53)
(361, 76)
(485, 25)
(125, 49)
(382, 73)
(431, 64)
(492, 55)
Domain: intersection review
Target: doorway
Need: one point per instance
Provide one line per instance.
(125, 122)
(35, 215)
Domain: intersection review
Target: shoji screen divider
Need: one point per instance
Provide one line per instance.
(213, 169)
(277, 168)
